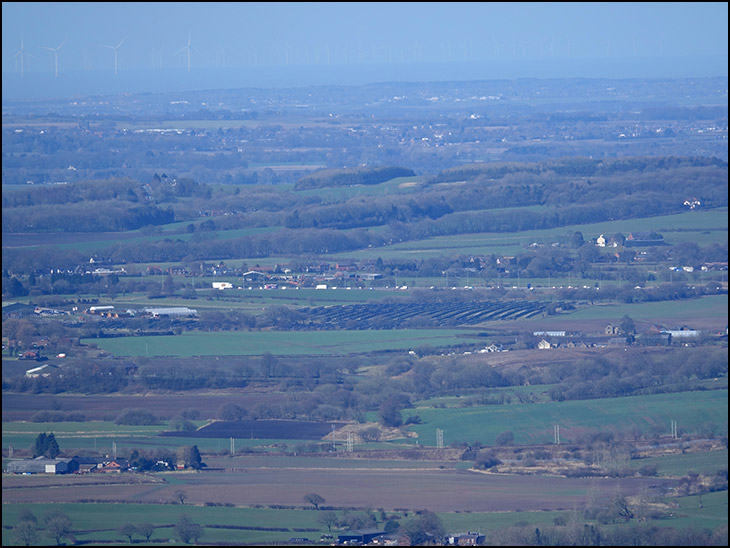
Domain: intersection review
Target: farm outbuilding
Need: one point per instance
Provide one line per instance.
(178, 311)
(86, 464)
(544, 345)
(465, 539)
(42, 465)
(359, 537)
(222, 285)
(42, 371)
(17, 310)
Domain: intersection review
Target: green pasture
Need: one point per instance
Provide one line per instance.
(108, 517)
(702, 227)
(484, 522)
(711, 513)
(92, 435)
(281, 343)
(534, 423)
(537, 393)
(678, 465)
(466, 398)
(399, 185)
(714, 306)
(100, 521)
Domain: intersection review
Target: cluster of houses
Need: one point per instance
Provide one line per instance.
(374, 537)
(616, 337)
(73, 465)
(634, 239)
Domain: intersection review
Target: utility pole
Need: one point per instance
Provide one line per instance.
(233, 446)
(439, 438)
(556, 434)
(350, 442)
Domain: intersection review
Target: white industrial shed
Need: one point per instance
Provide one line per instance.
(174, 311)
(40, 465)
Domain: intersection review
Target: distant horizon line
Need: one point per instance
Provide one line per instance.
(442, 63)
(74, 82)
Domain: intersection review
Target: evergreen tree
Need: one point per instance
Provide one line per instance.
(46, 446)
(40, 445)
(52, 450)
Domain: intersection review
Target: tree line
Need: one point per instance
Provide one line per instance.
(323, 393)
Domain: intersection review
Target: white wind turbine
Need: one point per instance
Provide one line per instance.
(55, 54)
(23, 54)
(115, 48)
(187, 49)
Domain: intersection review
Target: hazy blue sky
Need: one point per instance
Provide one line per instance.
(391, 34)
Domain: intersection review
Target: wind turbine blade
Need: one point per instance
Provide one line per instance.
(62, 43)
(120, 43)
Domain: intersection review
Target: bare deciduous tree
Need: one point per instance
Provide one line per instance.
(181, 496)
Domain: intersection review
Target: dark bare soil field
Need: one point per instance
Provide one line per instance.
(21, 407)
(261, 429)
(436, 490)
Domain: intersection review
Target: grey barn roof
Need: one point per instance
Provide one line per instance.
(37, 465)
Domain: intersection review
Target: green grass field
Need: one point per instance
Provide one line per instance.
(91, 435)
(99, 522)
(683, 311)
(127, 443)
(534, 423)
(281, 343)
(702, 227)
(679, 465)
(102, 520)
